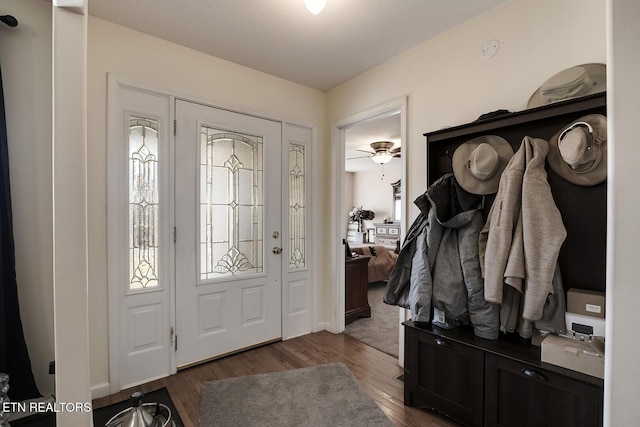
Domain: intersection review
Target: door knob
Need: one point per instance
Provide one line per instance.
(276, 250)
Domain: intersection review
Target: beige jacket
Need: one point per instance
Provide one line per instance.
(521, 240)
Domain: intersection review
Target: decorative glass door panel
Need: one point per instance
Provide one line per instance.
(297, 197)
(143, 203)
(231, 204)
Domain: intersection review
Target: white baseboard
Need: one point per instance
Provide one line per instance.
(323, 326)
(100, 390)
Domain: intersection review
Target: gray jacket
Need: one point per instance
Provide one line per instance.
(439, 266)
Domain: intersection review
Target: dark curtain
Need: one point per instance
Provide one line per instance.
(14, 357)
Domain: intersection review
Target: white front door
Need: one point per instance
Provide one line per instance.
(228, 231)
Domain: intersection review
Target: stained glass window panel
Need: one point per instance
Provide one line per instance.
(143, 203)
(230, 204)
(297, 196)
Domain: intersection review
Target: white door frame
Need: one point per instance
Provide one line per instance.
(338, 129)
(305, 318)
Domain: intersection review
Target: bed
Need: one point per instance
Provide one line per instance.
(381, 262)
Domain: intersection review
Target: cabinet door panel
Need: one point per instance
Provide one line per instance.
(520, 395)
(445, 376)
(387, 242)
(356, 286)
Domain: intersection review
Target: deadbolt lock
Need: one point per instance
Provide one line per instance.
(275, 234)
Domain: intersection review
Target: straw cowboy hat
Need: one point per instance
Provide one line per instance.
(479, 162)
(573, 82)
(578, 152)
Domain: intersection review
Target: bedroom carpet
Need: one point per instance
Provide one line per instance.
(381, 330)
(324, 395)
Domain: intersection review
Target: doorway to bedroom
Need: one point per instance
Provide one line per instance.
(372, 224)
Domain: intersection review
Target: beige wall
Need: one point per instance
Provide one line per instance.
(167, 66)
(447, 83)
(372, 190)
(25, 55)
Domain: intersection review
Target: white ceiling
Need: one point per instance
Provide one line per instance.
(282, 38)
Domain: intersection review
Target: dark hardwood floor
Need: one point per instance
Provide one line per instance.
(376, 371)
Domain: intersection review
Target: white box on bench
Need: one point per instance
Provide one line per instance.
(581, 356)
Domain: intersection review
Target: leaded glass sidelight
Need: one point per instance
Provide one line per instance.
(231, 205)
(296, 206)
(143, 203)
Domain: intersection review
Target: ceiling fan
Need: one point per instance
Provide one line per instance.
(383, 152)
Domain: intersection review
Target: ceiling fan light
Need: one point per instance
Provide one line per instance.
(315, 6)
(381, 157)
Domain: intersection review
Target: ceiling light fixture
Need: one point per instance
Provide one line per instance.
(315, 6)
(381, 157)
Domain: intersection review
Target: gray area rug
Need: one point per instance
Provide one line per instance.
(325, 395)
(381, 330)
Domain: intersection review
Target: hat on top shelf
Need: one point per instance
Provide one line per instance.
(578, 152)
(479, 162)
(574, 82)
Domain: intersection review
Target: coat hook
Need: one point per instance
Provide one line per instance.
(448, 153)
(9, 20)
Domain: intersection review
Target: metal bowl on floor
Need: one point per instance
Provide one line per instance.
(142, 414)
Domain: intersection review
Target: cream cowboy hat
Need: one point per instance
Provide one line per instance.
(479, 162)
(578, 152)
(573, 82)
